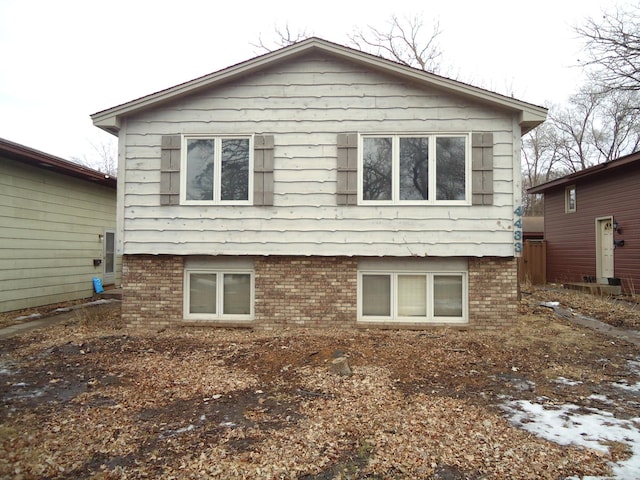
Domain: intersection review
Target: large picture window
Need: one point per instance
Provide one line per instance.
(218, 295)
(414, 169)
(417, 297)
(217, 170)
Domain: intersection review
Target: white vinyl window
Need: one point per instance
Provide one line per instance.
(218, 295)
(570, 199)
(217, 170)
(437, 297)
(414, 169)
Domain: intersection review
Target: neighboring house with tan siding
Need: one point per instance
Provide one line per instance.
(592, 224)
(57, 229)
(320, 186)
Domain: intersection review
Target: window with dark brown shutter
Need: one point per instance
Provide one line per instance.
(347, 191)
(482, 168)
(263, 146)
(170, 170)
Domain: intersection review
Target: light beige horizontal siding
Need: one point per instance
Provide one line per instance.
(305, 105)
(50, 235)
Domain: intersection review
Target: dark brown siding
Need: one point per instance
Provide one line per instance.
(571, 237)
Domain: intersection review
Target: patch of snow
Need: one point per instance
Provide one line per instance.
(570, 424)
(5, 368)
(566, 381)
(550, 304)
(629, 388)
(634, 366)
(600, 398)
(172, 433)
(102, 301)
(33, 316)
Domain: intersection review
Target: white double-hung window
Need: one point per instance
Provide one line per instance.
(217, 170)
(414, 169)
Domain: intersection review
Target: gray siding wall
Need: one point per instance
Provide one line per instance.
(49, 227)
(305, 105)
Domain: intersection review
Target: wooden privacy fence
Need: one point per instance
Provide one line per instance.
(532, 265)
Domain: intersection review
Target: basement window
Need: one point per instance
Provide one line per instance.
(218, 295)
(412, 295)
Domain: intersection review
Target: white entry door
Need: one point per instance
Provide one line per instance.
(109, 260)
(604, 249)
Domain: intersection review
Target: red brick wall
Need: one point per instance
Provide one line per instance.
(293, 291)
(493, 292)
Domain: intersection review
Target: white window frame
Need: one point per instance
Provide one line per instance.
(567, 199)
(395, 172)
(217, 170)
(430, 317)
(219, 315)
(109, 275)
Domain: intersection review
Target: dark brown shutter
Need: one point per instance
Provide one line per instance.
(482, 168)
(170, 170)
(263, 146)
(347, 190)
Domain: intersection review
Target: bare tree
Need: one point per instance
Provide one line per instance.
(104, 158)
(573, 131)
(595, 125)
(405, 40)
(612, 47)
(283, 38)
(616, 129)
(541, 154)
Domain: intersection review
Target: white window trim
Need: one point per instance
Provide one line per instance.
(217, 169)
(567, 196)
(219, 315)
(430, 317)
(432, 168)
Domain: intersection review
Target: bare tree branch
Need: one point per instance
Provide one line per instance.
(284, 37)
(105, 158)
(406, 41)
(612, 46)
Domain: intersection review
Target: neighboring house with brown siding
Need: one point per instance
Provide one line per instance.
(57, 229)
(320, 186)
(592, 224)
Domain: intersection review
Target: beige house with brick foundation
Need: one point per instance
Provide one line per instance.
(320, 186)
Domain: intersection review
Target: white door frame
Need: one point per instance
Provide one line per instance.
(601, 272)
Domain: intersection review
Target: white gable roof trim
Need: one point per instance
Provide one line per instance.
(530, 115)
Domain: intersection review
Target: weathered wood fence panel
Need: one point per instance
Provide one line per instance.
(533, 263)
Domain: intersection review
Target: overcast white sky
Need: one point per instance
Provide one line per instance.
(66, 59)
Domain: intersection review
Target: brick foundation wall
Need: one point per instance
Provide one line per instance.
(152, 290)
(291, 291)
(493, 292)
(306, 291)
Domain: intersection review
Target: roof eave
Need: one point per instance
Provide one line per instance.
(588, 172)
(21, 153)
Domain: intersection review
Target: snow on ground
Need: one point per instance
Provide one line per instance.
(588, 427)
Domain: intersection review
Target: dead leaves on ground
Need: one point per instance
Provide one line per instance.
(187, 403)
